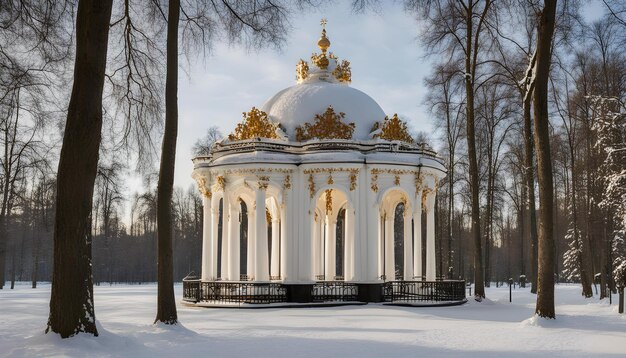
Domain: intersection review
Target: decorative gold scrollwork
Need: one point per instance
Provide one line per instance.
(326, 126)
(329, 201)
(343, 72)
(393, 129)
(311, 186)
(353, 180)
(255, 124)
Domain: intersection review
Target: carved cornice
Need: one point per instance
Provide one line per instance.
(326, 126)
(255, 124)
(392, 129)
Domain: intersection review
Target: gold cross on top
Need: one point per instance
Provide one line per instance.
(323, 23)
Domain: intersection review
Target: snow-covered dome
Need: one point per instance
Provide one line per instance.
(321, 106)
(297, 105)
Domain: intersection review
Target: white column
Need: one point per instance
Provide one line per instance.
(225, 226)
(430, 237)
(251, 259)
(275, 268)
(390, 262)
(234, 242)
(207, 245)
(316, 246)
(215, 219)
(408, 244)
(331, 246)
(262, 264)
(348, 270)
(381, 246)
(417, 237)
(283, 242)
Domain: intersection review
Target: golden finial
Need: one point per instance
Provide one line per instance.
(323, 43)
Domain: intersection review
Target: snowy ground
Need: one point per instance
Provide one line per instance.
(494, 328)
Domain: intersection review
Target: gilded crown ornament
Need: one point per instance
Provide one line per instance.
(326, 126)
(392, 129)
(255, 124)
(342, 72)
(302, 70)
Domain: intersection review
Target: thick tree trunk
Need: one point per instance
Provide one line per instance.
(529, 176)
(450, 213)
(71, 301)
(3, 249)
(479, 282)
(545, 278)
(166, 303)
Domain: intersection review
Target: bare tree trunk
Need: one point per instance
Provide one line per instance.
(479, 290)
(3, 248)
(166, 303)
(71, 301)
(530, 184)
(545, 277)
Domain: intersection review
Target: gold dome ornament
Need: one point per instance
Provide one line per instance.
(255, 124)
(392, 129)
(323, 43)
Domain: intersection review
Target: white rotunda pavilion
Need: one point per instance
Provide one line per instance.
(303, 200)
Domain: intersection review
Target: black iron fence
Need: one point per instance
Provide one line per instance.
(424, 291)
(191, 290)
(221, 292)
(233, 292)
(328, 291)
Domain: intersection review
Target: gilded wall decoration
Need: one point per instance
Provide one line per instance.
(330, 170)
(311, 186)
(396, 180)
(393, 129)
(330, 180)
(202, 187)
(263, 182)
(326, 126)
(255, 124)
(353, 180)
(221, 183)
(329, 201)
(287, 182)
(392, 171)
(419, 178)
(425, 194)
(374, 185)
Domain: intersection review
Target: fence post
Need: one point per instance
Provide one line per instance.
(621, 300)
